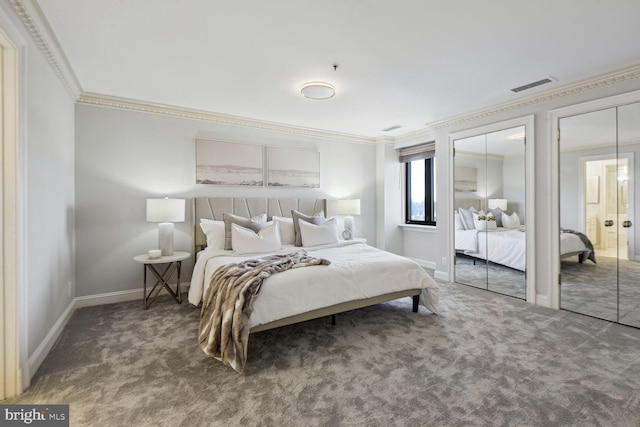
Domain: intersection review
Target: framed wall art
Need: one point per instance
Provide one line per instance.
(229, 163)
(290, 167)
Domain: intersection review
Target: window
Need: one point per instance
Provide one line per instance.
(420, 184)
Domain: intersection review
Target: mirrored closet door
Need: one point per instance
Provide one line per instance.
(489, 211)
(599, 266)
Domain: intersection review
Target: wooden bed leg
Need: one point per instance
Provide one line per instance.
(416, 300)
(333, 319)
(580, 258)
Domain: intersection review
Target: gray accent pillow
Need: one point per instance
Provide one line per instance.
(497, 212)
(255, 223)
(316, 219)
(467, 218)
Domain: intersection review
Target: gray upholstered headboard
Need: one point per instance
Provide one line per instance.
(214, 207)
(468, 203)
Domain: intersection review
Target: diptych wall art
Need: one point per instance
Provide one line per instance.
(232, 163)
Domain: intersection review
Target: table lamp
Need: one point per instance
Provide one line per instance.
(165, 211)
(348, 207)
(498, 203)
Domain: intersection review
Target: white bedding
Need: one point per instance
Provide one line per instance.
(357, 271)
(507, 246)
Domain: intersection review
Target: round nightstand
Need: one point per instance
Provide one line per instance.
(173, 264)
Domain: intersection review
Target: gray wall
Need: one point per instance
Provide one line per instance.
(47, 190)
(124, 157)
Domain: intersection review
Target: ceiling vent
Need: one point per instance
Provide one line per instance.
(389, 129)
(531, 85)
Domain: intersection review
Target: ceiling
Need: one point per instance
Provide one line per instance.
(406, 63)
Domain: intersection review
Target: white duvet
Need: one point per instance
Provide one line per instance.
(507, 246)
(357, 271)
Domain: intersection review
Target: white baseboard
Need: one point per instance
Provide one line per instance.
(118, 296)
(424, 263)
(543, 300)
(441, 275)
(38, 356)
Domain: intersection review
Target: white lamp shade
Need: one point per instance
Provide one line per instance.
(165, 210)
(498, 203)
(348, 207)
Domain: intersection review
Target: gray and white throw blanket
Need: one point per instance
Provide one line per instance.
(586, 241)
(224, 332)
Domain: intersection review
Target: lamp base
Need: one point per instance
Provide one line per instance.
(165, 238)
(347, 234)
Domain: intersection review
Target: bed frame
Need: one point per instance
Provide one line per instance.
(214, 207)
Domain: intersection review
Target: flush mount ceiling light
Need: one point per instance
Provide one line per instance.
(317, 90)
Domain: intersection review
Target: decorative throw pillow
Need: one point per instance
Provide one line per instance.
(317, 219)
(484, 222)
(214, 230)
(246, 241)
(255, 223)
(323, 234)
(510, 221)
(497, 212)
(287, 233)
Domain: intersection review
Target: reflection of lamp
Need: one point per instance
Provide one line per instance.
(498, 203)
(348, 207)
(165, 211)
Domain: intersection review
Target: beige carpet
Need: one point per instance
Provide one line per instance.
(485, 360)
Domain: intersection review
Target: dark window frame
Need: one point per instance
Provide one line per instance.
(429, 192)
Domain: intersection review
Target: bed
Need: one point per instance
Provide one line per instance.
(507, 245)
(358, 275)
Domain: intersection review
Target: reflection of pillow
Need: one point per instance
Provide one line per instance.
(323, 234)
(245, 241)
(467, 218)
(255, 223)
(214, 230)
(287, 233)
(497, 212)
(458, 221)
(317, 218)
(484, 222)
(510, 221)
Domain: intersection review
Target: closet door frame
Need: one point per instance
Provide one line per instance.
(529, 128)
(554, 182)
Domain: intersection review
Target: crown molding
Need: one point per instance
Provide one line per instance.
(581, 86)
(417, 137)
(202, 115)
(36, 24)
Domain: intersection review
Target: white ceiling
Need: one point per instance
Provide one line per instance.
(407, 62)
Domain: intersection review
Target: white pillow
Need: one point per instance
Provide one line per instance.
(458, 221)
(323, 234)
(214, 230)
(483, 223)
(287, 233)
(246, 241)
(510, 221)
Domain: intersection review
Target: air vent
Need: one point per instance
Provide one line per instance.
(531, 85)
(389, 129)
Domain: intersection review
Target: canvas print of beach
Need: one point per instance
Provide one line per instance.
(229, 163)
(466, 179)
(293, 168)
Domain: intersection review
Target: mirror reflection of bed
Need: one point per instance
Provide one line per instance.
(489, 211)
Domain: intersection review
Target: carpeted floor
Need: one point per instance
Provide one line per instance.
(486, 360)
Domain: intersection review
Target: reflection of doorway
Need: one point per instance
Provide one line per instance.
(606, 182)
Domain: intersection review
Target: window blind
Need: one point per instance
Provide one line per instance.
(418, 152)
